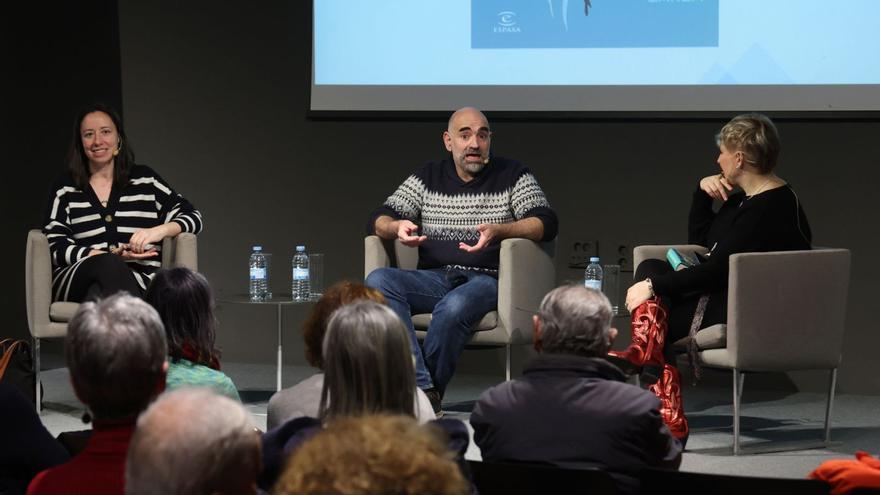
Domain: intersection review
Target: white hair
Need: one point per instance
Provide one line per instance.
(575, 320)
(193, 441)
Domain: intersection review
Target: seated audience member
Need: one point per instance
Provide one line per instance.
(26, 447)
(194, 441)
(571, 408)
(373, 455)
(304, 398)
(368, 369)
(116, 357)
(859, 475)
(184, 302)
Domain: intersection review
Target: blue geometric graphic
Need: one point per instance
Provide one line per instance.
(593, 23)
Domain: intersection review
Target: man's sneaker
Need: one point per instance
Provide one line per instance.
(435, 398)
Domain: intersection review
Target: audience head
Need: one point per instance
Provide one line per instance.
(576, 320)
(368, 364)
(373, 455)
(118, 148)
(184, 302)
(316, 325)
(755, 136)
(192, 441)
(116, 355)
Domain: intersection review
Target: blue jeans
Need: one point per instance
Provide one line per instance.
(457, 299)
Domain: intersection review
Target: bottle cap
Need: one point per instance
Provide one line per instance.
(594, 259)
(258, 248)
(300, 248)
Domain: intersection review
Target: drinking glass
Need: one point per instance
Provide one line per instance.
(316, 275)
(611, 286)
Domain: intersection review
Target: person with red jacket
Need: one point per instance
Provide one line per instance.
(116, 352)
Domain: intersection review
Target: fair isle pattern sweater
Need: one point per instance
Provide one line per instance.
(448, 210)
(77, 222)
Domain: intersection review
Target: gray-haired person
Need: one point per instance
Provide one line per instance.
(368, 370)
(192, 440)
(116, 352)
(571, 407)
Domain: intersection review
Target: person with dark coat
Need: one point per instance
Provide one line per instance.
(572, 408)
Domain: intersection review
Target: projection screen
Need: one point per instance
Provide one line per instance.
(596, 55)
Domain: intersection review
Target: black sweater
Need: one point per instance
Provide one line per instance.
(771, 221)
(448, 210)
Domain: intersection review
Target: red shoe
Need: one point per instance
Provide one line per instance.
(645, 353)
(668, 389)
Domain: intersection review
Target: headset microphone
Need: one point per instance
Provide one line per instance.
(485, 161)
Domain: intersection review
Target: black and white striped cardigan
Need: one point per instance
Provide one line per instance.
(76, 222)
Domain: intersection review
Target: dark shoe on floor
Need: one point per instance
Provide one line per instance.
(436, 399)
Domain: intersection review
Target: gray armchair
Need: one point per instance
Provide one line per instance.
(526, 273)
(47, 319)
(785, 311)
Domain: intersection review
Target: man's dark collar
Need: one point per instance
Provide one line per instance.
(575, 365)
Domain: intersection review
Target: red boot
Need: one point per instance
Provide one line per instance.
(668, 389)
(645, 353)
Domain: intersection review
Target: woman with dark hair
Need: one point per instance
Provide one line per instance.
(183, 300)
(303, 399)
(669, 303)
(107, 216)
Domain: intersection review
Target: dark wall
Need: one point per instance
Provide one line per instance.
(57, 58)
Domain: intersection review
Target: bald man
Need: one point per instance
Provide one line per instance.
(457, 211)
(192, 440)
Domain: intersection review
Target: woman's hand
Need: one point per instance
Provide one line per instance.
(138, 243)
(637, 294)
(716, 186)
(127, 254)
(124, 252)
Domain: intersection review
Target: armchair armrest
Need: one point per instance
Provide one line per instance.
(375, 254)
(384, 253)
(526, 273)
(658, 251)
(38, 280)
(181, 250)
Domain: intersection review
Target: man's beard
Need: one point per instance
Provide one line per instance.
(472, 167)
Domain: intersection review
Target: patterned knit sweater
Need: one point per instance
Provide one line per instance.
(448, 210)
(77, 222)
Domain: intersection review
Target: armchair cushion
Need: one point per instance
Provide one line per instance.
(714, 337)
(62, 311)
(490, 321)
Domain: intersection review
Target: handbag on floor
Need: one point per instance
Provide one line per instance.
(17, 367)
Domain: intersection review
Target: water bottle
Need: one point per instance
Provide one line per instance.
(258, 289)
(300, 287)
(593, 274)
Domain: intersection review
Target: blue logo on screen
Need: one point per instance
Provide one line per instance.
(506, 23)
(581, 24)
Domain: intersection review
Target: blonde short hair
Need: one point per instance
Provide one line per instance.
(755, 136)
